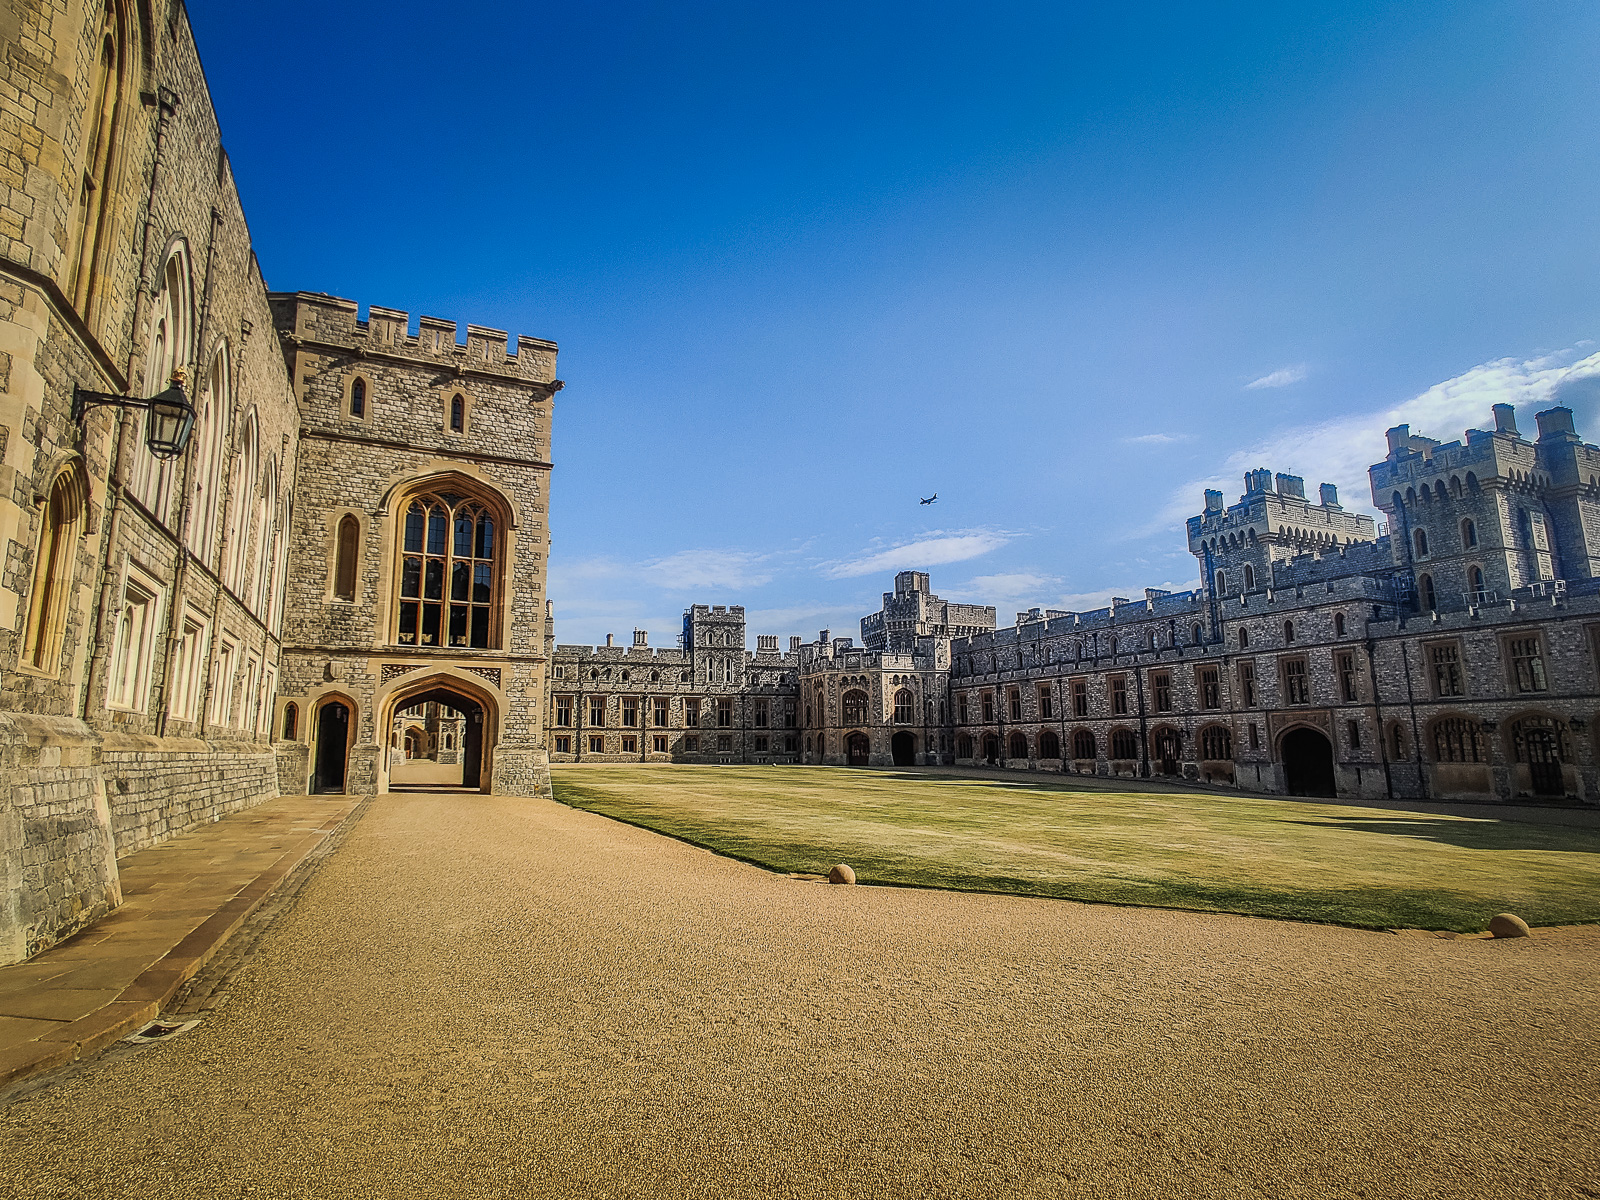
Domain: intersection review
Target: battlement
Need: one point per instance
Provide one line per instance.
(334, 320)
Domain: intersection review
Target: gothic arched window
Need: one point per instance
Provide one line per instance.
(1249, 578)
(855, 708)
(458, 413)
(291, 719)
(344, 568)
(1082, 744)
(52, 573)
(102, 121)
(210, 438)
(904, 707)
(1421, 538)
(170, 340)
(449, 580)
(1469, 535)
(358, 397)
(1425, 593)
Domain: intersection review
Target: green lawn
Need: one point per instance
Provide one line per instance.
(1276, 858)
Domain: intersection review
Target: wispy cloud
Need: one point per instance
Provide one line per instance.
(1087, 601)
(1339, 451)
(929, 550)
(1155, 439)
(1282, 377)
(688, 570)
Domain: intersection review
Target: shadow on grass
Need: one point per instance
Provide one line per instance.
(1363, 907)
(1472, 834)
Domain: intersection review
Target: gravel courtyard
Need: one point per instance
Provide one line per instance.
(492, 996)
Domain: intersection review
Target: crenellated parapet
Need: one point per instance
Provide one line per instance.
(319, 319)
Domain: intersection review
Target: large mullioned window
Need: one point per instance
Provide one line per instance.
(447, 573)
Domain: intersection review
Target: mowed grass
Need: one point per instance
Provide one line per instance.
(1368, 867)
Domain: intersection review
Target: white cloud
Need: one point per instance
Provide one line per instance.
(1282, 377)
(930, 550)
(1340, 451)
(1155, 439)
(688, 570)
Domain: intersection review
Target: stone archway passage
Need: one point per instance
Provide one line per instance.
(333, 747)
(904, 746)
(446, 769)
(857, 749)
(1308, 764)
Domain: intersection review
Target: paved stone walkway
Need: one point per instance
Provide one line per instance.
(487, 996)
(181, 901)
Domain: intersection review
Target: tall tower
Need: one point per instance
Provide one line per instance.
(419, 544)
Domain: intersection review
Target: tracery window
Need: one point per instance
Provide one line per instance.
(1459, 739)
(904, 706)
(855, 708)
(1124, 744)
(1082, 744)
(1216, 743)
(448, 580)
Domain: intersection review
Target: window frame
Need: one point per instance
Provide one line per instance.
(131, 665)
(488, 506)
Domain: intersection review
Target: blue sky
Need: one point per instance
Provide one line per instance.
(1064, 264)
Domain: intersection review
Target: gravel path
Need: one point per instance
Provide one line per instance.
(483, 996)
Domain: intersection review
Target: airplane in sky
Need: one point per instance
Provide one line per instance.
(931, 498)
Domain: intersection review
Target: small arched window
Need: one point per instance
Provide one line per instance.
(1249, 578)
(1421, 539)
(1397, 742)
(1196, 634)
(1469, 535)
(53, 568)
(1019, 746)
(1426, 594)
(291, 721)
(358, 397)
(1244, 637)
(458, 413)
(1221, 583)
(1288, 631)
(1049, 745)
(1338, 624)
(344, 570)
(1475, 583)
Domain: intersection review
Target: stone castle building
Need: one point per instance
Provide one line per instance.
(1450, 653)
(357, 527)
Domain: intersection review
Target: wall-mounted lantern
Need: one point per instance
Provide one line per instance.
(171, 415)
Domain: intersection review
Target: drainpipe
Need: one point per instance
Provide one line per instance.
(1369, 645)
(1411, 705)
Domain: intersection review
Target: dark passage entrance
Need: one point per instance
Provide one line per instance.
(1308, 764)
(857, 748)
(991, 749)
(447, 728)
(333, 745)
(904, 746)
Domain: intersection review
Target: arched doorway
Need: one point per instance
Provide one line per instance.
(448, 727)
(857, 748)
(904, 746)
(333, 748)
(991, 749)
(1308, 764)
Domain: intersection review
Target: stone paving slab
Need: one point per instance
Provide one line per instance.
(182, 899)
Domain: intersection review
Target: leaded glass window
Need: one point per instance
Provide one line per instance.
(447, 573)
